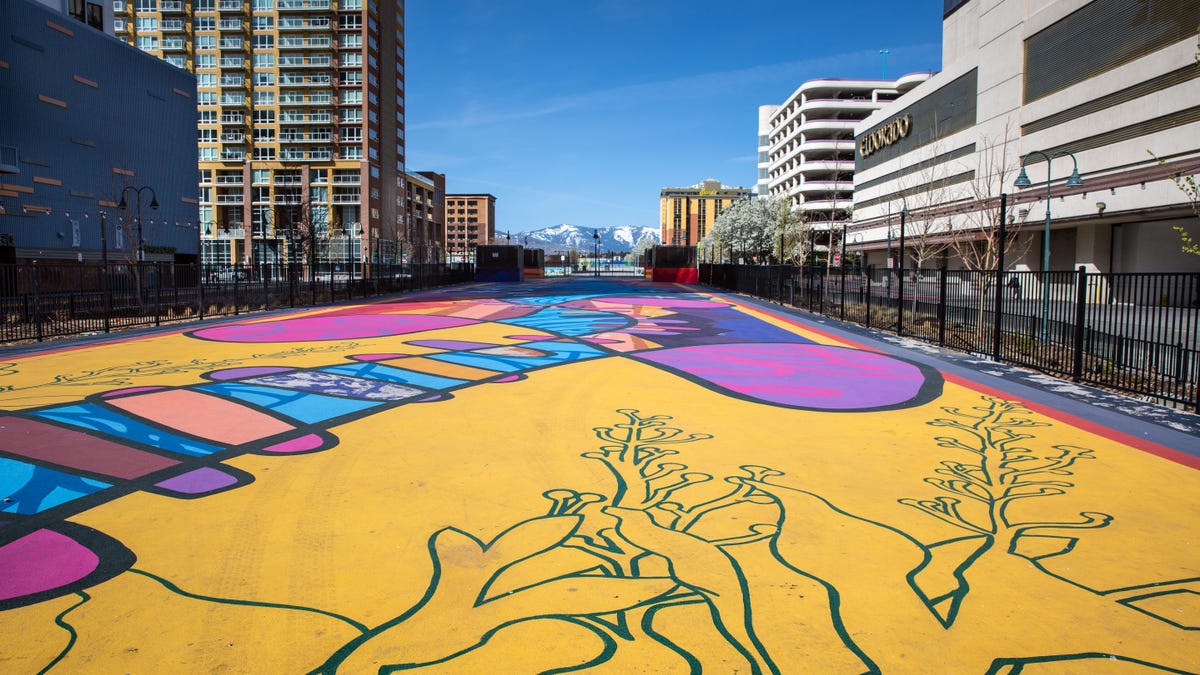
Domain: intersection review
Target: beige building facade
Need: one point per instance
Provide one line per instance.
(470, 222)
(686, 214)
(1111, 87)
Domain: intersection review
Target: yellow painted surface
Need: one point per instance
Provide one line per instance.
(481, 534)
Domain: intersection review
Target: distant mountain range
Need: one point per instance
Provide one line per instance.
(565, 237)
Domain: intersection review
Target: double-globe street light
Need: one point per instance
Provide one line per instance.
(137, 191)
(596, 253)
(1023, 181)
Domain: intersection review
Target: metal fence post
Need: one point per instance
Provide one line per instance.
(198, 275)
(37, 302)
(867, 285)
(998, 310)
(1080, 317)
(941, 311)
(106, 292)
(157, 294)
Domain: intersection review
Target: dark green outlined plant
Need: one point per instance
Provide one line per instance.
(606, 568)
(1004, 472)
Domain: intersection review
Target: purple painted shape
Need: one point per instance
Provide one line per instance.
(529, 338)
(234, 373)
(130, 390)
(669, 303)
(42, 561)
(318, 328)
(302, 444)
(198, 481)
(451, 345)
(509, 378)
(377, 357)
(801, 375)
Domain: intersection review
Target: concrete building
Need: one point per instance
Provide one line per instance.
(426, 208)
(687, 213)
(301, 121)
(1115, 83)
(86, 122)
(470, 222)
(810, 142)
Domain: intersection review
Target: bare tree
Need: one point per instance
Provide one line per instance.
(981, 240)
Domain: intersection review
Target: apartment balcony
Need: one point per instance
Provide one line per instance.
(229, 180)
(306, 138)
(173, 44)
(233, 138)
(303, 24)
(230, 25)
(229, 233)
(285, 179)
(173, 26)
(170, 6)
(231, 43)
(347, 179)
(238, 155)
(302, 5)
(306, 81)
(297, 42)
(306, 119)
(231, 6)
(305, 63)
(348, 198)
(287, 200)
(230, 200)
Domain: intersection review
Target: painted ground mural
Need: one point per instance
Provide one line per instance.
(562, 477)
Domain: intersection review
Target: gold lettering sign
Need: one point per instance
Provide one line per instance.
(884, 136)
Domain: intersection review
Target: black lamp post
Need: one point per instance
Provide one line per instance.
(137, 191)
(1023, 181)
(596, 253)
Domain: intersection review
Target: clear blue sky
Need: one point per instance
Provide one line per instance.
(580, 111)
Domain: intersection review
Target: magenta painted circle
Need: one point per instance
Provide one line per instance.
(317, 328)
(42, 561)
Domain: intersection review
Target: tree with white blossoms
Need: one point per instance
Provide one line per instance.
(751, 229)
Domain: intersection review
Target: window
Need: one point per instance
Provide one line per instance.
(350, 78)
(263, 5)
(350, 59)
(118, 25)
(350, 96)
(206, 80)
(267, 154)
(318, 175)
(350, 134)
(202, 5)
(207, 136)
(146, 23)
(263, 23)
(208, 117)
(205, 41)
(204, 23)
(147, 43)
(350, 152)
(264, 116)
(206, 98)
(350, 41)
(264, 41)
(208, 154)
(177, 60)
(206, 60)
(350, 22)
(350, 115)
(264, 79)
(264, 60)
(233, 117)
(264, 98)
(259, 176)
(205, 176)
(264, 135)
(146, 5)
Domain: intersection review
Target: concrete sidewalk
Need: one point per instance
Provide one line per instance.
(582, 474)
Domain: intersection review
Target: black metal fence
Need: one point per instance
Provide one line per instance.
(1135, 333)
(39, 301)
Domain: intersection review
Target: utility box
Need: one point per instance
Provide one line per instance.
(673, 263)
(500, 263)
(535, 263)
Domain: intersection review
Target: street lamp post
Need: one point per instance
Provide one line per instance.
(137, 191)
(1023, 181)
(596, 253)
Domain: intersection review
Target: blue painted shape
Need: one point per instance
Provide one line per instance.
(298, 405)
(32, 489)
(571, 322)
(113, 423)
(559, 352)
(334, 384)
(377, 371)
(551, 299)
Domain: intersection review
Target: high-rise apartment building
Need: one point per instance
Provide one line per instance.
(426, 216)
(470, 222)
(300, 122)
(686, 214)
(809, 143)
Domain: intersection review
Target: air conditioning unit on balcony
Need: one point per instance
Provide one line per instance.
(8, 159)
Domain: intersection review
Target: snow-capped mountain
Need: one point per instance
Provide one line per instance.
(565, 237)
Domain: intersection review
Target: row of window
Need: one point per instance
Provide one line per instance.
(238, 98)
(269, 154)
(237, 5)
(282, 176)
(286, 135)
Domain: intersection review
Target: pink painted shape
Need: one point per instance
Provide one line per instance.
(335, 327)
(302, 444)
(377, 357)
(510, 378)
(131, 390)
(43, 561)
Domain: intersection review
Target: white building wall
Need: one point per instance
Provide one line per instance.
(1124, 176)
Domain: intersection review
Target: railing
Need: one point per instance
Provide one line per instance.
(45, 300)
(1134, 333)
